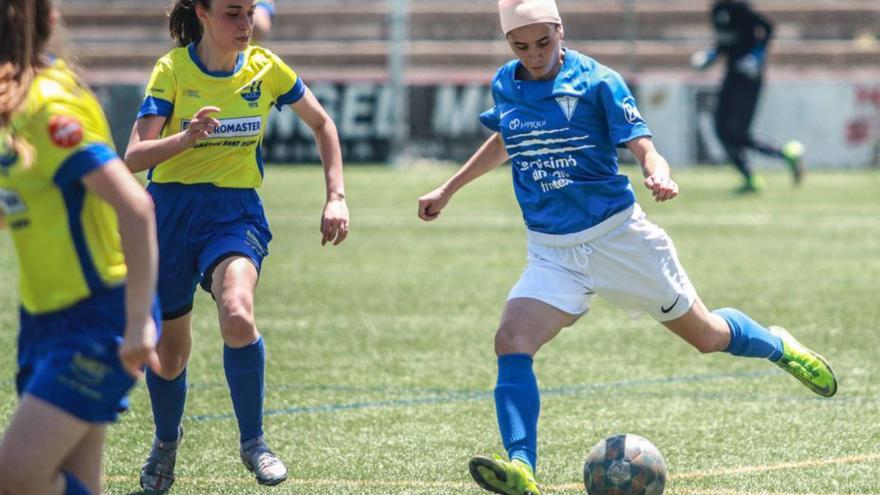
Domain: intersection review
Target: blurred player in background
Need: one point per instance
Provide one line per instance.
(85, 234)
(199, 132)
(558, 117)
(263, 17)
(742, 36)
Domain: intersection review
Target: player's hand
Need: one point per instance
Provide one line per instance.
(702, 59)
(334, 222)
(201, 126)
(139, 348)
(662, 187)
(432, 203)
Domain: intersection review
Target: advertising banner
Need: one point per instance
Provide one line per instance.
(839, 122)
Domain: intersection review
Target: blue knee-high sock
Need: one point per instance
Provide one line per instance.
(244, 373)
(74, 486)
(517, 405)
(167, 398)
(748, 337)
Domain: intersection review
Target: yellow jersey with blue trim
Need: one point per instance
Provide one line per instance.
(232, 156)
(67, 238)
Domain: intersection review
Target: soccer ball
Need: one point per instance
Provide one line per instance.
(625, 465)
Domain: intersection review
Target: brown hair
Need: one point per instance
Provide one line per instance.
(182, 21)
(24, 31)
(25, 28)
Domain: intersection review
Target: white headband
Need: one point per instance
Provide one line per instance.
(519, 13)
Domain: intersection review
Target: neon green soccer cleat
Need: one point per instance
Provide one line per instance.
(505, 477)
(753, 184)
(793, 152)
(805, 365)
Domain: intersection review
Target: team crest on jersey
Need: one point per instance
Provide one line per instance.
(567, 104)
(253, 91)
(65, 131)
(631, 112)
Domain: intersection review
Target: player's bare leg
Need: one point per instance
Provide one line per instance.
(233, 283)
(39, 438)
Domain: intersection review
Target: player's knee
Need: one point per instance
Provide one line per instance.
(173, 359)
(510, 339)
(172, 366)
(238, 326)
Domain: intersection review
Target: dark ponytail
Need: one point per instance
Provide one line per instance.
(183, 22)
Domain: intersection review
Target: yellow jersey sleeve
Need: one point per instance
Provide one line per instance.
(287, 87)
(70, 142)
(161, 90)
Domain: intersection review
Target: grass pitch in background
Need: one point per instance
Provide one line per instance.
(381, 366)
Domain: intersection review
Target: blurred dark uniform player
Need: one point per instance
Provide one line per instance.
(742, 35)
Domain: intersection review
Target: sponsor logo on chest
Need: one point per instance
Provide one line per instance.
(234, 128)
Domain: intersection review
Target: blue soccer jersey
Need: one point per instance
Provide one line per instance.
(561, 136)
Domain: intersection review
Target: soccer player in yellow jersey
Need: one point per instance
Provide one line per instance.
(199, 133)
(76, 216)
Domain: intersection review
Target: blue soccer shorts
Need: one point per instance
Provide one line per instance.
(200, 225)
(70, 359)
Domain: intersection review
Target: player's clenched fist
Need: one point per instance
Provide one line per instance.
(430, 204)
(662, 187)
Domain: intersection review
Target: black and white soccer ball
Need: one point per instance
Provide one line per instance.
(625, 465)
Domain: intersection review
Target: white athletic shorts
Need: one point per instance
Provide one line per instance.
(626, 260)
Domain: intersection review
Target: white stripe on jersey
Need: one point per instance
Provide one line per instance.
(551, 151)
(533, 142)
(537, 133)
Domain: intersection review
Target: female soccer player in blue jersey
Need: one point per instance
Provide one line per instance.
(558, 117)
(199, 132)
(76, 216)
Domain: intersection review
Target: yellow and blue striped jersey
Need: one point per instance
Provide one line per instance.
(66, 238)
(230, 157)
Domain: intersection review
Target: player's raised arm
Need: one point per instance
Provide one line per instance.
(487, 157)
